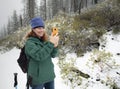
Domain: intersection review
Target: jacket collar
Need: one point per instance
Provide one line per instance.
(36, 40)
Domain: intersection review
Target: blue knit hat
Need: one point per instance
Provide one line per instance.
(37, 22)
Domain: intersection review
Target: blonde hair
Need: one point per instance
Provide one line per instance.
(32, 34)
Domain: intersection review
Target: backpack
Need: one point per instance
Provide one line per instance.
(23, 61)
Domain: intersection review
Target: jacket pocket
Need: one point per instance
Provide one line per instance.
(33, 69)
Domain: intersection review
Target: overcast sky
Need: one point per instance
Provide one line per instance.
(6, 9)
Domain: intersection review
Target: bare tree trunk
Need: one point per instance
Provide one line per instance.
(75, 6)
(86, 3)
(95, 1)
(54, 7)
(31, 8)
(43, 9)
(80, 6)
(21, 21)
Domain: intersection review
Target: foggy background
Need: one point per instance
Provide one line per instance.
(7, 7)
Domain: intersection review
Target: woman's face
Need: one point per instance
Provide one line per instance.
(39, 31)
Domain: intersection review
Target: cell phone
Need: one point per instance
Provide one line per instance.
(54, 31)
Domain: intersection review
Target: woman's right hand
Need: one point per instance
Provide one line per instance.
(54, 40)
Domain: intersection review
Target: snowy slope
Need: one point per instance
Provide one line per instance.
(8, 66)
(109, 72)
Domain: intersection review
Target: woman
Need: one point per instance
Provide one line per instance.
(39, 51)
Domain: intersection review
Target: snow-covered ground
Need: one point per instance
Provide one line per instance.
(9, 66)
(108, 73)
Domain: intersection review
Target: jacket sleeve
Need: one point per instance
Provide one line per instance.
(38, 53)
(54, 52)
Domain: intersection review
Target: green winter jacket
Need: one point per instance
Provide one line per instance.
(41, 68)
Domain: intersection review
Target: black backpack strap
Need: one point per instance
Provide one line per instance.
(29, 82)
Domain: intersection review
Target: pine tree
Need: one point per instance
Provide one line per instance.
(15, 21)
(29, 10)
(9, 26)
